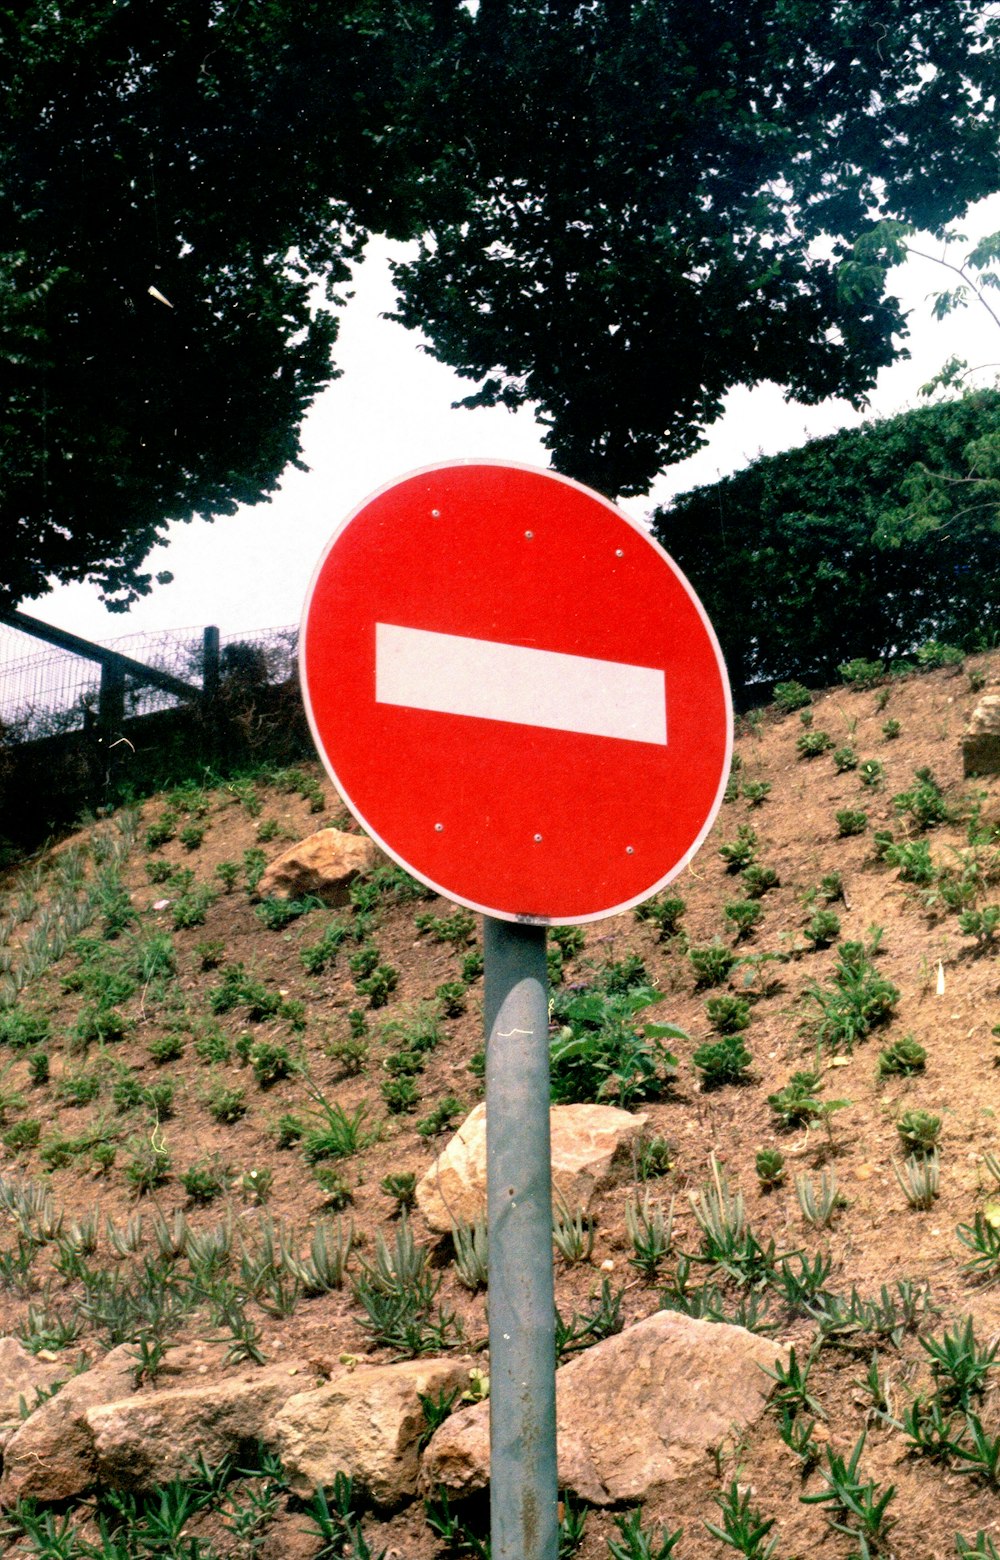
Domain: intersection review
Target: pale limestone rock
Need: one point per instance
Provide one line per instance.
(325, 864)
(51, 1456)
(586, 1142)
(364, 1422)
(150, 1438)
(981, 742)
(21, 1373)
(636, 1412)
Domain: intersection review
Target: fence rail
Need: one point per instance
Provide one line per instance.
(76, 682)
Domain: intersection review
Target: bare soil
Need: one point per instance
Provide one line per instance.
(949, 1002)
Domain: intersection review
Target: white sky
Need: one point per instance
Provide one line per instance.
(390, 413)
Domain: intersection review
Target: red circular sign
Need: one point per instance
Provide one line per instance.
(516, 692)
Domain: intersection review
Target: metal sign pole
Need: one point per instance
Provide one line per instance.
(524, 1520)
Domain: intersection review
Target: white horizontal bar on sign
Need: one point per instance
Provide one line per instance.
(452, 675)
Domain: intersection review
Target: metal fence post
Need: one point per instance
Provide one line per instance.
(111, 700)
(523, 1486)
(209, 668)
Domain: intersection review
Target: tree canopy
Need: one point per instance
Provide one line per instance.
(625, 208)
(865, 543)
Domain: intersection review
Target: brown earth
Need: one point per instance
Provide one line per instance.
(949, 1002)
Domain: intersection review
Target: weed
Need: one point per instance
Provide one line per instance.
(601, 1051)
(636, 1542)
(227, 873)
(890, 730)
(459, 928)
(919, 1178)
(960, 1366)
(318, 956)
(149, 1165)
(822, 928)
(191, 836)
(603, 1320)
(205, 1181)
(401, 1186)
(78, 1088)
(983, 925)
(653, 1157)
(339, 1134)
(191, 908)
(756, 791)
(166, 1048)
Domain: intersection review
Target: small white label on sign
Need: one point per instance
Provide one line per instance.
(453, 675)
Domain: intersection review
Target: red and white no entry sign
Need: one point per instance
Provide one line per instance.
(516, 692)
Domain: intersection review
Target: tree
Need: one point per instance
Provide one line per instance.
(177, 179)
(651, 200)
(865, 543)
(627, 207)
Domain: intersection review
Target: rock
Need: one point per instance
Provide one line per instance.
(635, 1412)
(325, 865)
(981, 742)
(22, 1374)
(51, 1456)
(365, 1422)
(148, 1439)
(586, 1141)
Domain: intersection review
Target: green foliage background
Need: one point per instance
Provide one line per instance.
(866, 543)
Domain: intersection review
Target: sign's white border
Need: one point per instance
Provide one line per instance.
(447, 893)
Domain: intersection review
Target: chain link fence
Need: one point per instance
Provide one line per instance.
(45, 692)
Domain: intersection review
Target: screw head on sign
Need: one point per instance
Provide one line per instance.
(538, 839)
(436, 514)
(439, 828)
(619, 552)
(529, 535)
(630, 850)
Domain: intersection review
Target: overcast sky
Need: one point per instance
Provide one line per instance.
(390, 413)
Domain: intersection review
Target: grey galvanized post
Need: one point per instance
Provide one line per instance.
(524, 1518)
(111, 700)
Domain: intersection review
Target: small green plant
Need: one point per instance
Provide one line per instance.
(851, 821)
(891, 730)
(960, 1366)
(818, 1203)
(78, 1088)
(983, 925)
(758, 880)
(318, 956)
(932, 654)
(637, 1542)
(822, 928)
(919, 1179)
(205, 1181)
(739, 853)
(860, 673)
(149, 1165)
(227, 873)
(192, 908)
(791, 696)
(858, 1508)
(812, 743)
(401, 1186)
(459, 928)
(711, 963)
(665, 911)
(770, 1166)
(924, 802)
(225, 1103)
(722, 1061)
(452, 997)
(845, 758)
(440, 1118)
(270, 1061)
(572, 1233)
(919, 1131)
(902, 1058)
(728, 1015)
(339, 1134)
(743, 1528)
(653, 1157)
(191, 836)
(856, 1000)
(160, 831)
(756, 791)
(166, 1048)
(472, 1254)
(744, 915)
(276, 914)
(871, 773)
(650, 1232)
(913, 860)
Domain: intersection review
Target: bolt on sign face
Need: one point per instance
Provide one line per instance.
(516, 692)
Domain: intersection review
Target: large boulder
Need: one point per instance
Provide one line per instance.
(51, 1456)
(634, 1413)
(365, 1422)
(981, 742)
(148, 1439)
(324, 865)
(586, 1142)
